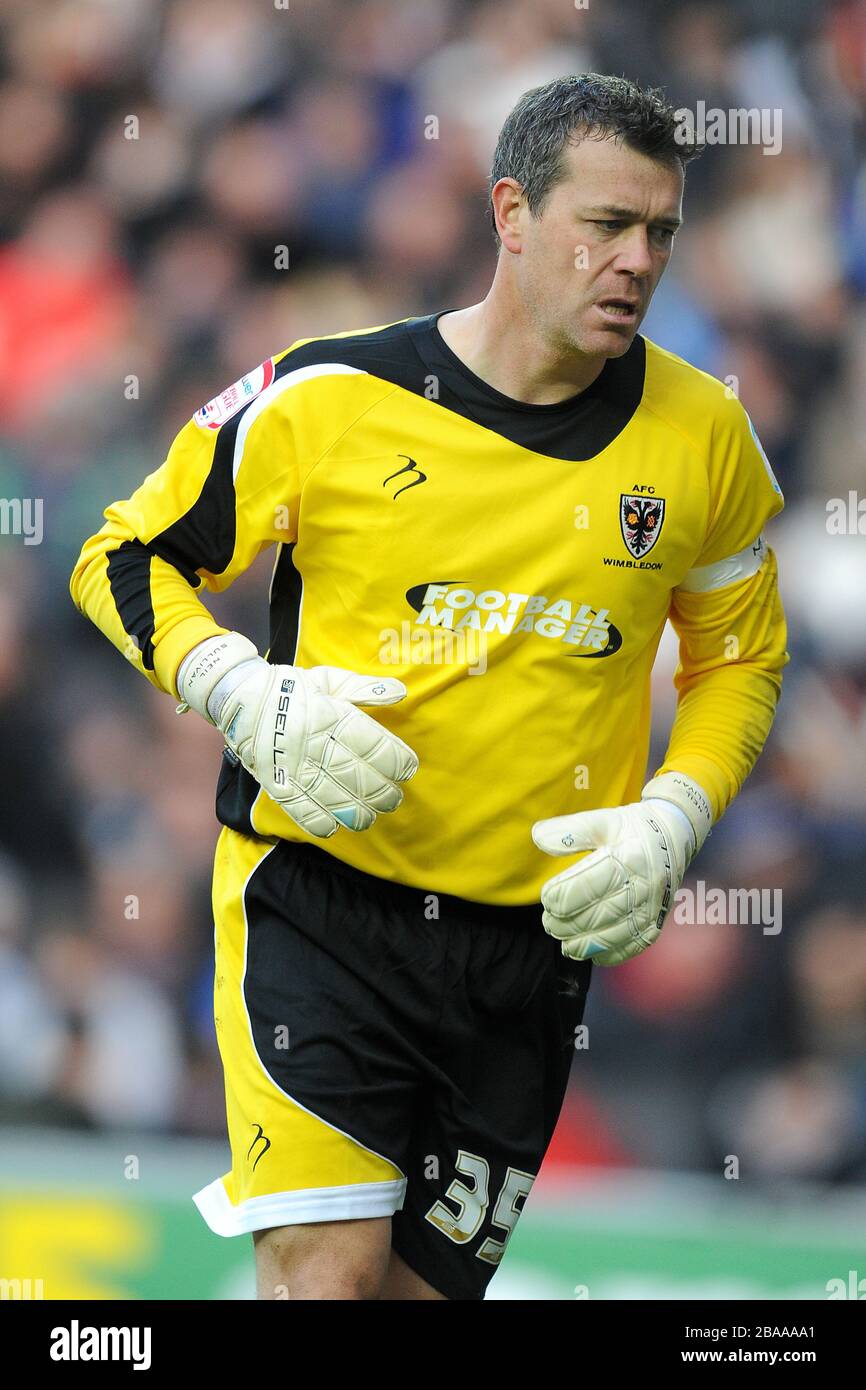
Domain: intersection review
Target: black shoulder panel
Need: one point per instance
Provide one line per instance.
(414, 355)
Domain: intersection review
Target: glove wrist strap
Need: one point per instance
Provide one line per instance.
(688, 797)
(205, 667)
(224, 687)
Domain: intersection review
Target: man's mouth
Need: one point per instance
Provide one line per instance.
(618, 308)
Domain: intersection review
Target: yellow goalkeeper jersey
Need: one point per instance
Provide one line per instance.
(513, 564)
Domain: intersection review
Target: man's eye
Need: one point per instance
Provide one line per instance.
(665, 234)
(609, 226)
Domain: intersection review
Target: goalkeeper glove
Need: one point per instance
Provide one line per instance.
(612, 905)
(299, 734)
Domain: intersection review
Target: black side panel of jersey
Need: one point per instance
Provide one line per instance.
(236, 791)
(286, 590)
(414, 355)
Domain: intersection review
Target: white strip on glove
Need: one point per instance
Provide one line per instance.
(612, 905)
(298, 732)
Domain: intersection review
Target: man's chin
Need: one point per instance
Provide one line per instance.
(606, 342)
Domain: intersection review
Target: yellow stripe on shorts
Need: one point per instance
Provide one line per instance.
(288, 1165)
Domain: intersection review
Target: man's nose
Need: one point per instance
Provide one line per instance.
(634, 254)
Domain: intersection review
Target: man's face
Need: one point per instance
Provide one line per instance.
(589, 264)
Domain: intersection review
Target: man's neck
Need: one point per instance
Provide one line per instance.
(503, 348)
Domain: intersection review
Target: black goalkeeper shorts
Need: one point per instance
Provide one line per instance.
(387, 1052)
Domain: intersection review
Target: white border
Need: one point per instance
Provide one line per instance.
(347, 1203)
(276, 388)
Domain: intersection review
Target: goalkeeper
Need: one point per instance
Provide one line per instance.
(423, 856)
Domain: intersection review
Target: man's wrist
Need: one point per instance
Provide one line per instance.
(689, 798)
(206, 666)
(173, 646)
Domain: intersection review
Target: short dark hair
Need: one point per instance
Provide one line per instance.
(544, 120)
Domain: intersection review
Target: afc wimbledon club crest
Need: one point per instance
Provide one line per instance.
(641, 520)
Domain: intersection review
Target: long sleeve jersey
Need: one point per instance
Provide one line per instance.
(513, 564)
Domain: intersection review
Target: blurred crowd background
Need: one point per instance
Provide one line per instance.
(153, 158)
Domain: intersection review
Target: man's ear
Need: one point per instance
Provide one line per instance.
(508, 201)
